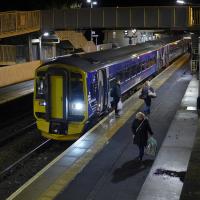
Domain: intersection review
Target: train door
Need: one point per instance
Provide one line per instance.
(56, 97)
(102, 90)
(57, 100)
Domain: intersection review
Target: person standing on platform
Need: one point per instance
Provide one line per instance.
(140, 129)
(116, 94)
(147, 93)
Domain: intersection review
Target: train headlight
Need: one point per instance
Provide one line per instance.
(77, 106)
(42, 103)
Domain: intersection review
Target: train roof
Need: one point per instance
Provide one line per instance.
(95, 60)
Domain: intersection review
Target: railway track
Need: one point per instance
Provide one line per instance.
(12, 134)
(23, 155)
(23, 158)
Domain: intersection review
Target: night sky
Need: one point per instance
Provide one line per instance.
(7, 5)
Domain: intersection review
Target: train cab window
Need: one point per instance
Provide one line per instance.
(76, 95)
(41, 87)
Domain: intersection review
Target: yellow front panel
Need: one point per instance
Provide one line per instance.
(56, 97)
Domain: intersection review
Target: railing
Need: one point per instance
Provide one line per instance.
(7, 54)
(12, 23)
(195, 16)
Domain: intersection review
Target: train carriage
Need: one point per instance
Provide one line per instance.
(73, 91)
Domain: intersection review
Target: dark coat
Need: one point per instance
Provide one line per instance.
(116, 92)
(141, 136)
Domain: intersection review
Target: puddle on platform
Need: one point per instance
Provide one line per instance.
(162, 172)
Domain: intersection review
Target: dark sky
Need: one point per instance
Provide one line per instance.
(46, 4)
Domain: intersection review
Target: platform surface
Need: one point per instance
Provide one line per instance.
(15, 91)
(101, 164)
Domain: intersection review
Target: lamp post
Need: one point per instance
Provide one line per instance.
(47, 38)
(130, 37)
(91, 2)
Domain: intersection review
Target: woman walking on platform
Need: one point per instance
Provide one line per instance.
(140, 129)
(147, 93)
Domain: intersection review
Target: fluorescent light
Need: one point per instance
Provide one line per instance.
(180, 1)
(46, 34)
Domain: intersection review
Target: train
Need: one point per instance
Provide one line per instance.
(70, 92)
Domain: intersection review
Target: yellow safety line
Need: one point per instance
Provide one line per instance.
(70, 174)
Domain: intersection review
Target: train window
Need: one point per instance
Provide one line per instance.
(143, 65)
(130, 71)
(134, 70)
(76, 97)
(138, 68)
(76, 90)
(76, 86)
(41, 87)
(112, 83)
(121, 76)
(127, 72)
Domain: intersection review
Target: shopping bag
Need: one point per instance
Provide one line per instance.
(151, 148)
(119, 105)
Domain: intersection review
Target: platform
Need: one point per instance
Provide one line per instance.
(165, 180)
(101, 164)
(15, 91)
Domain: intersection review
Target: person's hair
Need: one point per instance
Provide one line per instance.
(147, 83)
(140, 116)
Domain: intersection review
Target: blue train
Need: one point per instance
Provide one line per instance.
(72, 91)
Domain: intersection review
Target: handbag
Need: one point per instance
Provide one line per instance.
(152, 93)
(142, 96)
(151, 148)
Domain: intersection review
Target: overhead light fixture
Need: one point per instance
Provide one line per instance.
(180, 2)
(134, 31)
(46, 34)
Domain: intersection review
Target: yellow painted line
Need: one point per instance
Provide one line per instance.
(70, 174)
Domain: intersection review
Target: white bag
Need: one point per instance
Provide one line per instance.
(151, 93)
(119, 105)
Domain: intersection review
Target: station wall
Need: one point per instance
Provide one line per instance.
(18, 73)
